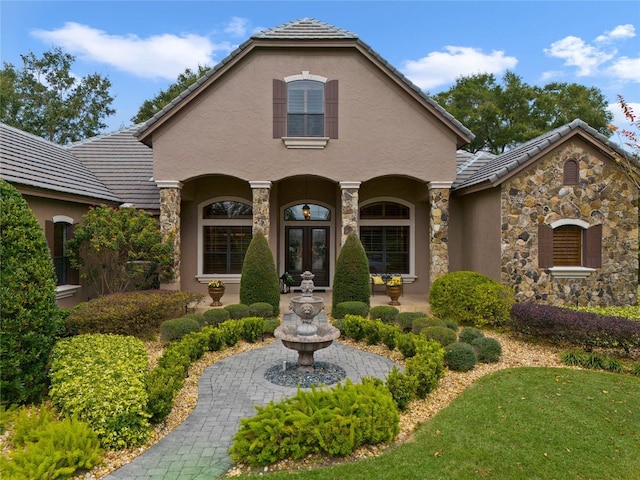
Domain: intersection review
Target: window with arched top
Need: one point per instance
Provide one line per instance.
(571, 172)
(569, 243)
(58, 231)
(224, 235)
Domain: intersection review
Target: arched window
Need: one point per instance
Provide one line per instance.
(226, 231)
(569, 243)
(571, 172)
(315, 213)
(386, 235)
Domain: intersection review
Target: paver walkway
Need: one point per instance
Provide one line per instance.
(227, 392)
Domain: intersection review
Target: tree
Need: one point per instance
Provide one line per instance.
(45, 98)
(351, 279)
(120, 249)
(150, 107)
(259, 281)
(29, 318)
(508, 114)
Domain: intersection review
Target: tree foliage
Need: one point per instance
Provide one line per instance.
(29, 320)
(120, 249)
(150, 107)
(508, 113)
(46, 99)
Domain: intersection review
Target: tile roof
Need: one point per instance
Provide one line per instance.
(490, 172)
(301, 30)
(123, 164)
(29, 160)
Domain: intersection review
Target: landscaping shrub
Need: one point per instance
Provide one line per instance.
(270, 325)
(215, 316)
(385, 313)
(162, 385)
(237, 311)
(231, 331)
(470, 298)
(351, 278)
(420, 323)
(488, 350)
(87, 375)
(354, 327)
(48, 448)
(389, 334)
(252, 329)
(584, 329)
(404, 320)
(176, 328)
(360, 309)
(215, 342)
(443, 335)
(259, 281)
(133, 313)
(261, 309)
(406, 344)
(333, 421)
(427, 366)
(403, 387)
(460, 357)
(373, 331)
(469, 334)
(452, 325)
(630, 312)
(29, 320)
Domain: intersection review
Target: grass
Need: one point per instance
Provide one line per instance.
(533, 423)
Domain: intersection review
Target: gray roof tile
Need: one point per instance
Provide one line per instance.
(304, 28)
(29, 160)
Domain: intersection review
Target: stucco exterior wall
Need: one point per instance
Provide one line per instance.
(228, 128)
(605, 195)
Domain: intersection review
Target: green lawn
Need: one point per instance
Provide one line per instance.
(524, 423)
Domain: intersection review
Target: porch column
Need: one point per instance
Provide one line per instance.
(261, 190)
(170, 196)
(349, 209)
(439, 229)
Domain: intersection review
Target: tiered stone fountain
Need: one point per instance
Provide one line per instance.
(307, 335)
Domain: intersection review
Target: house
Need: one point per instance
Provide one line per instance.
(306, 134)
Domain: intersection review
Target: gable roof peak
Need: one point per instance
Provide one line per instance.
(305, 28)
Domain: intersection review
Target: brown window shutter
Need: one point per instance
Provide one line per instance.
(74, 274)
(545, 246)
(567, 246)
(279, 108)
(593, 247)
(331, 109)
(571, 172)
(48, 234)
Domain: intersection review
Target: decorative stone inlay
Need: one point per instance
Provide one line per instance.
(349, 209)
(261, 191)
(170, 223)
(439, 229)
(604, 195)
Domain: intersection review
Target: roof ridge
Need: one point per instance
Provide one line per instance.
(306, 27)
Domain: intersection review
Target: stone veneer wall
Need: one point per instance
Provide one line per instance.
(438, 232)
(170, 227)
(604, 195)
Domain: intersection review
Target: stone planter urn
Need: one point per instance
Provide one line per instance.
(394, 292)
(216, 294)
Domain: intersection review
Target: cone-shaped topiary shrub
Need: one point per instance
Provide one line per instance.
(351, 280)
(259, 281)
(29, 318)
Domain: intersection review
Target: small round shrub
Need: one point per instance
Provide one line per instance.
(215, 342)
(402, 387)
(386, 313)
(460, 357)
(176, 328)
(443, 335)
(215, 316)
(488, 350)
(452, 325)
(340, 324)
(420, 323)
(237, 310)
(261, 309)
(404, 320)
(373, 331)
(469, 334)
(252, 329)
(343, 309)
(270, 325)
(389, 334)
(354, 327)
(406, 344)
(198, 317)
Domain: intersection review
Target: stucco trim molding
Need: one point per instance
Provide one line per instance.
(226, 278)
(570, 221)
(355, 185)
(260, 183)
(66, 291)
(439, 184)
(169, 184)
(306, 142)
(62, 219)
(305, 75)
(570, 272)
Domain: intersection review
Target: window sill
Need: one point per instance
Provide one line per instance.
(570, 272)
(306, 142)
(230, 279)
(66, 291)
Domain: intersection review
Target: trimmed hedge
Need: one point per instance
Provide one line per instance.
(488, 350)
(386, 313)
(585, 329)
(343, 309)
(420, 323)
(469, 334)
(237, 310)
(132, 313)
(460, 357)
(443, 335)
(176, 328)
(404, 320)
(87, 375)
(215, 316)
(470, 298)
(261, 309)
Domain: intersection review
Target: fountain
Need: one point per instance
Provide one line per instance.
(309, 334)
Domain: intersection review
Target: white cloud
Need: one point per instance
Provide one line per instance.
(627, 69)
(619, 32)
(160, 56)
(619, 118)
(442, 68)
(237, 27)
(577, 53)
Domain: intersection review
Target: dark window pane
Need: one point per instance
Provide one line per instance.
(381, 210)
(387, 248)
(227, 209)
(224, 248)
(60, 259)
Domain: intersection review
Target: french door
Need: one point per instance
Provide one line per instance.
(307, 248)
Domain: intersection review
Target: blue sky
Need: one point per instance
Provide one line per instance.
(142, 46)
